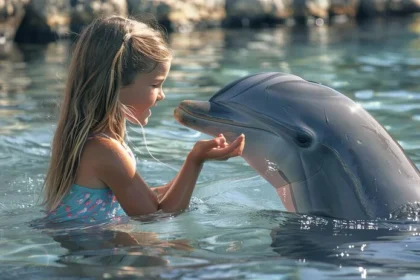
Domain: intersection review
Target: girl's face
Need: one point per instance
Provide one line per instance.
(143, 94)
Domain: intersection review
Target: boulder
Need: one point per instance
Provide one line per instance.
(404, 6)
(370, 8)
(305, 9)
(180, 15)
(44, 21)
(83, 12)
(344, 7)
(257, 12)
(11, 15)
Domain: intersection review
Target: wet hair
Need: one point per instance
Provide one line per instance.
(109, 54)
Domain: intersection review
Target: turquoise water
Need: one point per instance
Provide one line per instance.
(236, 227)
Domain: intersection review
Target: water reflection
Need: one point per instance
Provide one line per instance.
(117, 248)
(113, 244)
(346, 243)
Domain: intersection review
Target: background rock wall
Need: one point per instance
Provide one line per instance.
(40, 21)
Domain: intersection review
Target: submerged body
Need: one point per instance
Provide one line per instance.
(324, 154)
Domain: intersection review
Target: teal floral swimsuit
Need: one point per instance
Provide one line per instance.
(88, 205)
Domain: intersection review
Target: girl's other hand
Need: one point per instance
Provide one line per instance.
(217, 149)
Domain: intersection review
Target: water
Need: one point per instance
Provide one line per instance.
(236, 227)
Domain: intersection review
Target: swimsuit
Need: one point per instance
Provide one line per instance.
(88, 205)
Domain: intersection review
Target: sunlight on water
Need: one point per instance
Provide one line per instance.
(236, 226)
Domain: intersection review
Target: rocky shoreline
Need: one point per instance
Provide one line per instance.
(43, 21)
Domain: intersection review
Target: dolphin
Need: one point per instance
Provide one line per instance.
(323, 153)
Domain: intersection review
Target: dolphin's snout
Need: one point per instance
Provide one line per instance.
(195, 107)
(190, 109)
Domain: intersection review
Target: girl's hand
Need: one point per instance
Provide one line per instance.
(217, 149)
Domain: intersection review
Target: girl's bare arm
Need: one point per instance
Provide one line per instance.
(116, 169)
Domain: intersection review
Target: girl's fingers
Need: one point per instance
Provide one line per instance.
(229, 148)
(209, 144)
(232, 154)
(223, 143)
(219, 149)
(237, 142)
(238, 147)
(235, 153)
(235, 149)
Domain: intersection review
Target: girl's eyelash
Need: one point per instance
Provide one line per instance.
(157, 85)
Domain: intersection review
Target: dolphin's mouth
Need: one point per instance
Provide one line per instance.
(197, 109)
(190, 110)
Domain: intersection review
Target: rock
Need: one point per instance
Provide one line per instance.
(371, 8)
(180, 15)
(83, 12)
(344, 7)
(11, 15)
(304, 9)
(44, 21)
(323, 10)
(257, 12)
(404, 6)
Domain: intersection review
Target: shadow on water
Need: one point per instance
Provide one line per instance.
(113, 243)
(365, 244)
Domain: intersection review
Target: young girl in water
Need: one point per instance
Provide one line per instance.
(116, 74)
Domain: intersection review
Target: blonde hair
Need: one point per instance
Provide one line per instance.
(108, 55)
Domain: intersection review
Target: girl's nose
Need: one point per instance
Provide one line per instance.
(161, 95)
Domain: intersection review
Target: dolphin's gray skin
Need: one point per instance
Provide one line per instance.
(324, 154)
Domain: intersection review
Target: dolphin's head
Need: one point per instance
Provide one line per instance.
(304, 138)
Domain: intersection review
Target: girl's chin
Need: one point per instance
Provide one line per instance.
(143, 120)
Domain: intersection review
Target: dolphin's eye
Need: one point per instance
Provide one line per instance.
(303, 140)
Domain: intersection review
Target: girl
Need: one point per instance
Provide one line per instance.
(116, 73)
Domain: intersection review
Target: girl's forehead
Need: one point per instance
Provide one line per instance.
(160, 72)
(162, 68)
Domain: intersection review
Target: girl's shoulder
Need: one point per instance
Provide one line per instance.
(104, 156)
(107, 151)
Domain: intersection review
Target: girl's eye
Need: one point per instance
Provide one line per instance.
(155, 86)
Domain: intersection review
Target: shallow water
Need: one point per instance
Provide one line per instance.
(236, 227)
